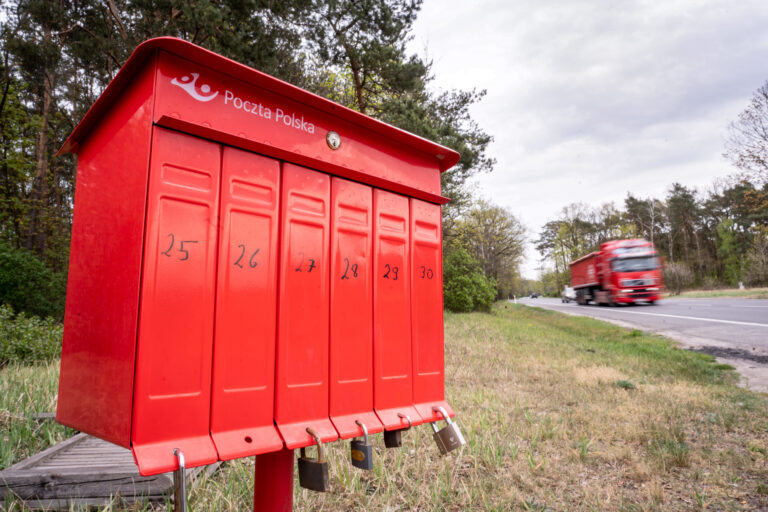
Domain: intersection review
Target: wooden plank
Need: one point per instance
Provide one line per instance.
(53, 450)
(85, 471)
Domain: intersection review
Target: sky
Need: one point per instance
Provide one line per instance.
(588, 100)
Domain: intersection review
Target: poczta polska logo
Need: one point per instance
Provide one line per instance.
(188, 83)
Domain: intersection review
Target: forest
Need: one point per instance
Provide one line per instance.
(56, 56)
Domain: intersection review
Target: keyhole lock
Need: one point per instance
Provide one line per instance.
(333, 140)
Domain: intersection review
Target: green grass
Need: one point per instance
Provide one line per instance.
(748, 293)
(547, 425)
(24, 392)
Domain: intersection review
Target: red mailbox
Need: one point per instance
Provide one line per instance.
(302, 348)
(351, 309)
(248, 260)
(427, 310)
(172, 391)
(243, 389)
(393, 397)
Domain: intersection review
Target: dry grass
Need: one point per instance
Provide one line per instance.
(560, 413)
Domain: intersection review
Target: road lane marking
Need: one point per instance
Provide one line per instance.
(713, 320)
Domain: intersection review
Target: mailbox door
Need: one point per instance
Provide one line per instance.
(351, 348)
(171, 404)
(242, 401)
(393, 373)
(427, 310)
(301, 398)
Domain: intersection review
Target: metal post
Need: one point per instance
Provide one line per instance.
(273, 482)
(179, 484)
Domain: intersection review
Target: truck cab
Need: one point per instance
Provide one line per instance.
(621, 272)
(629, 272)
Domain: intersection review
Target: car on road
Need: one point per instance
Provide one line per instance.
(568, 294)
(533, 295)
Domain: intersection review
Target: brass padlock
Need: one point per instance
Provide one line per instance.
(313, 473)
(362, 451)
(394, 438)
(448, 438)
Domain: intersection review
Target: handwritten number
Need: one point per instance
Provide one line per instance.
(311, 267)
(186, 252)
(426, 272)
(252, 262)
(242, 253)
(423, 271)
(182, 250)
(430, 274)
(344, 276)
(167, 252)
(392, 270)
(349, 267)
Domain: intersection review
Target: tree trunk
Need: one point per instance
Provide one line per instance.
(37, 240)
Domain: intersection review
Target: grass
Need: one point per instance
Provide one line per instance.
(548, 427)
(24, 392)
(748, 293)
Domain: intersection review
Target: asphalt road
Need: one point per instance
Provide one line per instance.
(734, 330)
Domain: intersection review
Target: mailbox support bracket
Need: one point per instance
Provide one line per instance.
(273, 482)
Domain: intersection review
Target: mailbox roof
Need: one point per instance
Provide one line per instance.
(446, 157)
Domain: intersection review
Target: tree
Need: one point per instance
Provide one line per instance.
(465, 287)
(756, 265)
(677, 276)
(495, 238)
(364, 42)
(683, 217)
(746, 145)
(646, 215)
(359, 59)
(579, 230)
(28, 285)
(445, 119)
(729, 252)
(56, 56)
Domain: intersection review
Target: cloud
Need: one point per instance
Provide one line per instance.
(589, 100)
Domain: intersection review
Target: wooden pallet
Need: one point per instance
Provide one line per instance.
(85, 471)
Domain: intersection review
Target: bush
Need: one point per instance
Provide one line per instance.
(677, 276)
(26, 339)
(465, 287)
(28, 285)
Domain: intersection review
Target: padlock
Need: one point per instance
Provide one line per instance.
(394, 438)
(362, 451)
(313, 473)
(448, 438)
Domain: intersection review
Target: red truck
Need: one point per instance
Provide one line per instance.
(621, 272)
